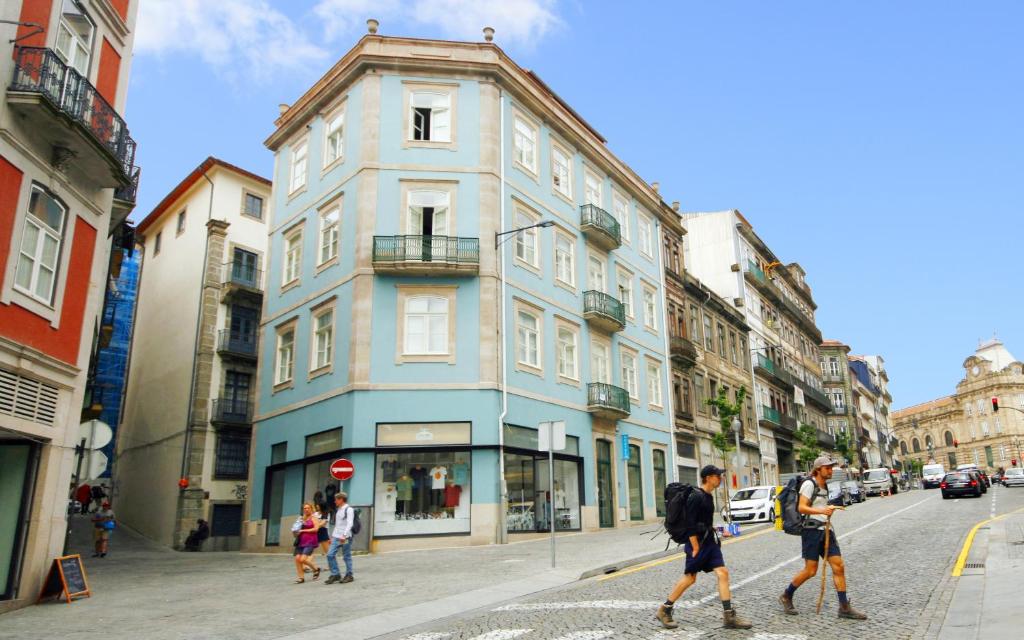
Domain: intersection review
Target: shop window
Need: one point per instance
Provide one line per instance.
(422, 493)
(530, 500)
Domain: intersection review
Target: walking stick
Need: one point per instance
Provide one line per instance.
(824, 569)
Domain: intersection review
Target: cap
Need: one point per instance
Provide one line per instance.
(710, 470)
(823, 461)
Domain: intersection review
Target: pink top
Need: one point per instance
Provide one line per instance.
(308, 538)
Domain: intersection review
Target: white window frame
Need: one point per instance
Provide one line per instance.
(436, 133)
(595, 259)
(329, 235)
(334, 137)
(593, 186)
(529, 340)
(629, 365)
(529, 240)
(322, 353)
(621, 213)
(561, 181)
(431, 319)
(284, 356)
(625, 293)
(567, 352)
(565, 259)
(179, 227)
(80, 56)
(525, 149)
(298, 169)
(645, 234)
(34, 256)
(654, 390)
(602, 374)
(291, 271)
(650, 298)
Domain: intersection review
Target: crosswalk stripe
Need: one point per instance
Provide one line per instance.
(590, 604)
(587, 635)
(778, 636)
(502, 634)
(428, 636)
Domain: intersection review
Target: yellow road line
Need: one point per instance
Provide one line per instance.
(675, 556)
(961, 560)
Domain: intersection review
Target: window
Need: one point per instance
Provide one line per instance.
(733, 348)
(565, 261)
(629, 374)
(592, 189)
(74, 38)
(838, 400)
(323, 339)
(684, 396)
(252, 206)
(40, 245)
(526, 241)
(334, 138)
(292, 256)
(698, 392)
(430, 116)
(709, 335)
(567, 353)
(285, 369)
(984, 428)
(968, 411)
(428, 214)
(722, 351)
(524, 144)
(625, 284)
(232, 455)
(528, 339)
(298, 167)
(645, 234)
(600, 362)
(654, 383)
(329, 234)
(745, 353)
(157, 243)
(561, 171)
(620, 210)
(181, 224)
(596, 273)
(650, 309)
(426, 325)
(660, 480)
(694, 324)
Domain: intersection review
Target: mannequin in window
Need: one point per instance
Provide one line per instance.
(404, 489)
(452, 495)
(438, 475)
(420, 486)
(460, 472)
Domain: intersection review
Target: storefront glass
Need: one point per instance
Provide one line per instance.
(422, 493)
(14, 463)
(529, 493)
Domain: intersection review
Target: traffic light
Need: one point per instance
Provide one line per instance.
(995, 405)
(1014, 462)
(956, 443)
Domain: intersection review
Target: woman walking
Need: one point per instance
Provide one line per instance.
(307, 543)
(323, 536)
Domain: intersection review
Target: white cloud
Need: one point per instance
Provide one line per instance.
(241, 39)
(515, 21)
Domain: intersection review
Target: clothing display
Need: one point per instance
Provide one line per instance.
(415, 493)
(404, 488)
(419, 477)
(460, 473)
(438, 475)
(452, 494)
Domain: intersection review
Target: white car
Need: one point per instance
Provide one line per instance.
(932, 475)
(1013, 478)
(752, 504)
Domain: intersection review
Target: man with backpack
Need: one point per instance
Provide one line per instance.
(345, 526)
(812, 505)
(690, 515)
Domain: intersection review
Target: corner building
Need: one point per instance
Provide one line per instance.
(400, 331)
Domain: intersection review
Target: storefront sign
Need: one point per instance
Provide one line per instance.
(342, 469)
(66, 579)
(624, 443)
(423, 434)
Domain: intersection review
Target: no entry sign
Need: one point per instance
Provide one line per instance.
(342, 469)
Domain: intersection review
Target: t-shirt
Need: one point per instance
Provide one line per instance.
(700, 515)
(437, 476)
(807, 490)
(419, 477)
(451, 495)
(460, 473)
(404, 486)
(100, 517)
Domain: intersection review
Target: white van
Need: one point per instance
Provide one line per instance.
(875, 480)
(932, 475)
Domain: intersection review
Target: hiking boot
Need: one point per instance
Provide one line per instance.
(348, 578)
(848, 612)
(787, 605)
(732, 620)
(664, 616)
(331, 580)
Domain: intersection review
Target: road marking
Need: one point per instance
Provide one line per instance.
(675, 556)
(502, 634)
(428, 636)
(583, 604)
(961, 560)
(587, 635)
(778, 636)
(674, 635)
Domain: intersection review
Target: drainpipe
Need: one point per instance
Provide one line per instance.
(670, 396)
(502, 537)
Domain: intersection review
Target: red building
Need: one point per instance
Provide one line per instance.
(67, 184)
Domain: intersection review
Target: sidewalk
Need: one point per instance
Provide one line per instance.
(986, 602)
(144, 590)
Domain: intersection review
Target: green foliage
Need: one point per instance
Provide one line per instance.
(916, 466)
(844, 444)
(809, 449)
(726, 412)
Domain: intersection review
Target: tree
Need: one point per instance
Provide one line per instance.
(809, 449)
(722, 441)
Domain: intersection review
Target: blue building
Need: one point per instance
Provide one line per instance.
(455, 256)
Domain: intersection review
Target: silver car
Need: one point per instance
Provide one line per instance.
(1013, 478)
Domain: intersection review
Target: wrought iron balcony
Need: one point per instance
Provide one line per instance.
(241, 282)
(603, 311)
(826, 439)
(682, 351)
(237, 344)
(788, 425)
(231, 411)
(54, 98)
(600, 227)
(767, 368)
(124, 198)
(813, 395)
(607, 400)
(770, 415)
(426, 255)
(756, 271)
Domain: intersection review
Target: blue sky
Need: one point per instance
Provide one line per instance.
(878, 144)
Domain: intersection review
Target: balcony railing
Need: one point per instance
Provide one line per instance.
(426, 253)
(39, 70)
(241, 274)
(600, 226)
(813, 395)
(607, 400)
(770, 414)
(603, 310)
(231, 411)
(765, 363)
(826, 439)
(682, 351)
(237, 344)
(756, 270)
(128, 192)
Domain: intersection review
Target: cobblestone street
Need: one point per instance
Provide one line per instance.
(898, 550)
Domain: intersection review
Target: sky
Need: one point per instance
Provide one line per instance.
(878, 144)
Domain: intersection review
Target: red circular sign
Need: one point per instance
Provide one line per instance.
(342, 469)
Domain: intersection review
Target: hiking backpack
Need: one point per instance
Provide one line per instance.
(357, 526)
(676, 494)
(789, 498)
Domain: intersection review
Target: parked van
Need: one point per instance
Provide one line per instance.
(875, 480)
(932, 475)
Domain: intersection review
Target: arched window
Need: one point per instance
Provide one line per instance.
(903, 447)
(949, 438)
(928, 442)
(916, 446)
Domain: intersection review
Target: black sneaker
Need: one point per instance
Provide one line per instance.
(331, 580)
(348, 578)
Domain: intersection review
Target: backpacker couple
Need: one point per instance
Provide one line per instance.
(690, 520)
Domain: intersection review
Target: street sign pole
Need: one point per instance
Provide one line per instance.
(551, 436)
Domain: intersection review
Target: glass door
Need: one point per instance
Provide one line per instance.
(244, 321)
(236, 394)
(660, 480)
(605, 495)
(636, 488)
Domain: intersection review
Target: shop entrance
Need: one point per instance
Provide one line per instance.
(529, 494)
(605, 494)
(636, 486)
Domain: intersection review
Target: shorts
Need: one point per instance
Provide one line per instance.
(304, 551)
(322, 535)
(813, 544)
(100, 534)
(709, 557)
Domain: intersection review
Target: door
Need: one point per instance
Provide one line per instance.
(243, 268)
(236, 394)
(605, 495)
(428, 217)
(660, 481)
(244, 321)
(636, 487)
(600, 362)
(274, 506)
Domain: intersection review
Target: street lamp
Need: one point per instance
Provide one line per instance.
(498, 235)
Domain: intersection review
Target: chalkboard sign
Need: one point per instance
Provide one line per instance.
(66, 579)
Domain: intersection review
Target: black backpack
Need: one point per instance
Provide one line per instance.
(357, 526)
(676, 495)
(792, 520)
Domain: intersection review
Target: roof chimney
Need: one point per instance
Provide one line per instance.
(675, 205)
(489, 34)
(655, 186)
(282, 109)
(371, 26)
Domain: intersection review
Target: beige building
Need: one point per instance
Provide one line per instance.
(188, 405)
(963, 428)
